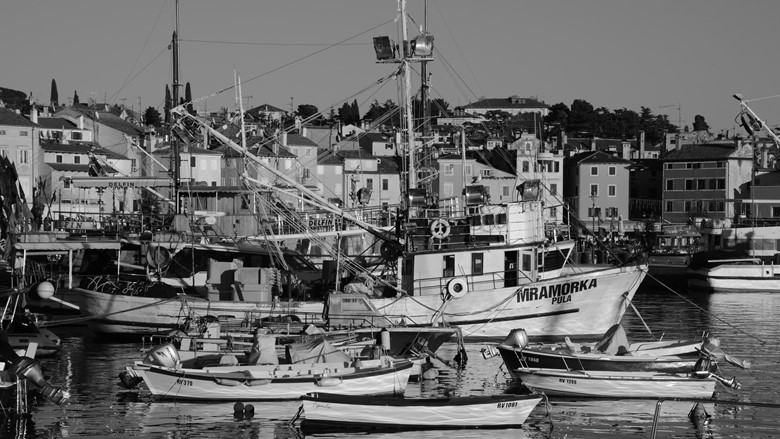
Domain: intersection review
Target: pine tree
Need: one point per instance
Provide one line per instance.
(55, 96)
(75, 98)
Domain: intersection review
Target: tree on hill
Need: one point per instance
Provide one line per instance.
(188, 99)
(168, 104)
(75, 98)
(15, 100)
(699, 124)
(152, 117)
(305, 111)
(55, 96)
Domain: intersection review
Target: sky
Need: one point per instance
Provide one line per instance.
(681, 58)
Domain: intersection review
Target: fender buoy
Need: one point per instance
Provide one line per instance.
(328, 382)
(440, 228)
(227, 382)
(457, 287)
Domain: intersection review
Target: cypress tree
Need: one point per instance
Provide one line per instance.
(55, 96)
(168, 106)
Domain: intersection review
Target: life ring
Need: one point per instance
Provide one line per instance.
(158, 256)
(440, 228)
(457, 287)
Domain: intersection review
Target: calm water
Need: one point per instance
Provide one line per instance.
(747, 325)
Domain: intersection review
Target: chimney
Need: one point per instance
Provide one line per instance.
(34, 114)
(642, 144)
(284, 138)
(80, 122)
(304, 132)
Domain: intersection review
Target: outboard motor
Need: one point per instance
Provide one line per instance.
(26, 367)
(164, 355)
(517, 338)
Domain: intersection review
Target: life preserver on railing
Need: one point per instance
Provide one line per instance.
(158, 256)
(457, 287)
(440, 228)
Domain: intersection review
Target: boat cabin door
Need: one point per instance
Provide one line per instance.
(510, 268)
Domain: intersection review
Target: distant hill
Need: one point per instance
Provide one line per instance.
(15, 99)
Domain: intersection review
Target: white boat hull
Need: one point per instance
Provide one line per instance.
(117, 314)
(736, 278)
(278, 384)
(347, 413)
(578, 305)
(616, 384)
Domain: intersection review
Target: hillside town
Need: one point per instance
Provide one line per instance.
(90, 165)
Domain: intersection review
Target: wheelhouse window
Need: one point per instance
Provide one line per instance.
(449, 266)
(477, 263)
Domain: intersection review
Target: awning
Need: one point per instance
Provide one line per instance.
(119, 182)
(68, 245)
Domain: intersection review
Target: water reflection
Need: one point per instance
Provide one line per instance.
(746, 324)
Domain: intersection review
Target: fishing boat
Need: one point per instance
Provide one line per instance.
(621, 384)
(732, 272)
(483, 266)
(326, 412)
(612, 353)
(152, 285)
(275, 382)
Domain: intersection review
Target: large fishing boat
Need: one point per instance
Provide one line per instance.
(486, 267)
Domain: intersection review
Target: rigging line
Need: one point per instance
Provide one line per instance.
(139, 72)
(154, 26)
(452, 69)
(452, 38)
(275, 44)
(761, 99)
(704, 310)
(288, 64)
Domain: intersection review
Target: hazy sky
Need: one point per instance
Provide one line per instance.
(691, 54)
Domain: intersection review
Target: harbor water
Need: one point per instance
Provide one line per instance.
(747, 325)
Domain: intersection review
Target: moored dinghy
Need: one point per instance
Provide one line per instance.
(267, 379)
(612, 353)
(252, 383)
(323, 412)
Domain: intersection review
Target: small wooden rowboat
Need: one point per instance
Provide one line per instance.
(613, 353)
(274, 382)
(621, 384)
(322, 412)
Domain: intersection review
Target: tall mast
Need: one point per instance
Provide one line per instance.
(424, 81)
(176, 165)
(411, 181)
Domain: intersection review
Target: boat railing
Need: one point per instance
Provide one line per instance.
(476, 282)
(699, 419)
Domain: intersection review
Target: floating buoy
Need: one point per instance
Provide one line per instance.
(249, 411)
(45, 290)
(238, 407)
(699, 416)
(430, 373)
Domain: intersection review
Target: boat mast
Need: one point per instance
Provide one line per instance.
(176, 165)
(411, 181)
